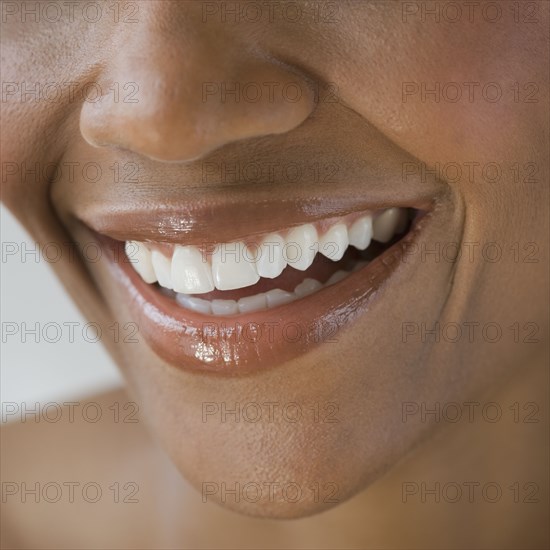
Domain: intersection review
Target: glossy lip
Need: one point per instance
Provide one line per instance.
(243, 343)
(218, 217)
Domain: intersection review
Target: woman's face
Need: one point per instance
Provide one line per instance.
(189, 126)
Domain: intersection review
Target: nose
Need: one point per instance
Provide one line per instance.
(176, 89)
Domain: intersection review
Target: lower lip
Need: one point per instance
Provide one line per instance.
(251, 342)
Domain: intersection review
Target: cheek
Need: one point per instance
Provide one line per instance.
(456, 99)
(28, 156)
(40, 107)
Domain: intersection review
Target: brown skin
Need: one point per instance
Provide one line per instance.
(369, 372)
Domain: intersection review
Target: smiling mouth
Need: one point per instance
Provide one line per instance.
(221, 308)
(263, 272)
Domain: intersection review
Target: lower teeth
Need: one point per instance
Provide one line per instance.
(257, 302)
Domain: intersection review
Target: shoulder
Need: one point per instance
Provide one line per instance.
(68, 462)
(37, 434)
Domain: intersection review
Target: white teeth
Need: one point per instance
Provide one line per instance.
(271, 262)
(307, 287)
(233, 265)
(224, 307)
(162, 266)
(277, 297)
(257, 302)
(385, 225)
(334, 242)
(301, 246)
(360, 233)
(194, 304)
(140, 257)
(231, 269)
(190, 273)
(253, 303)
(336, 277)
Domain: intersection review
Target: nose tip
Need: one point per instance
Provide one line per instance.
(181, 111)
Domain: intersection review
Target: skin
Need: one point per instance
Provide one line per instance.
(369, 372)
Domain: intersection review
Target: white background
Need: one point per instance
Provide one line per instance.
(42, 371)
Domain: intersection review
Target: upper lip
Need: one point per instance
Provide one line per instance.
(175, 203)
(217, 217)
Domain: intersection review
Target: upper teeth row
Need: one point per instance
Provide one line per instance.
(236, 265)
